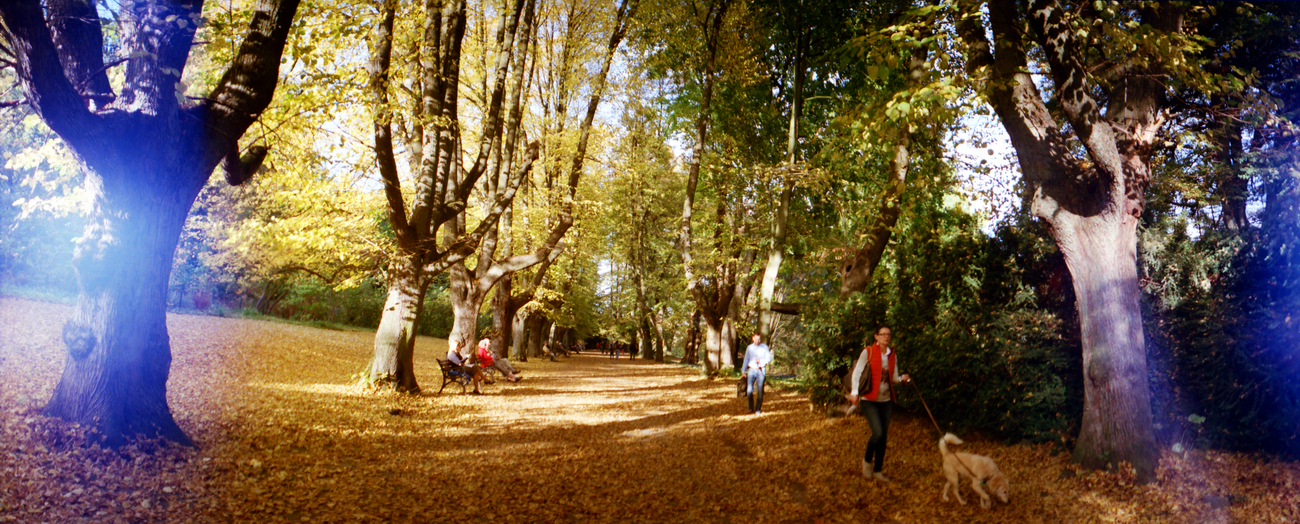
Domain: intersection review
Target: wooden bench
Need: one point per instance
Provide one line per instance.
(452, 373)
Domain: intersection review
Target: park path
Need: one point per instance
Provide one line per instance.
(284, 435)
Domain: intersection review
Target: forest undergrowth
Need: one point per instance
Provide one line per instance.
(283, 436)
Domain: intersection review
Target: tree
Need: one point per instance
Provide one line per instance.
(1087, 178)
(146, 151)
(470, 288)
(902, 114)
(643, 193)
(433, 136)
(714, 297)
(803, 34)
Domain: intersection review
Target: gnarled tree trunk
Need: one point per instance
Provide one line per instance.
(1091, 204)
(145, 154)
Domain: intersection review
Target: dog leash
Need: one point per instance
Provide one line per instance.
(927, 408)
(940, 430)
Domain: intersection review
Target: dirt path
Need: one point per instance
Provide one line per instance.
(283, 437)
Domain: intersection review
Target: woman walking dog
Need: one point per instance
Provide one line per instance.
(874, 375)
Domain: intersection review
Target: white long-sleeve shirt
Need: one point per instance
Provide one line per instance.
(757, 355)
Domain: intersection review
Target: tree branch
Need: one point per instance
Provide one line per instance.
(246, 89)
(380, 61)
(41, 73)
(74, 26)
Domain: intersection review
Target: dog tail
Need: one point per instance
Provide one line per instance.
(948, 438)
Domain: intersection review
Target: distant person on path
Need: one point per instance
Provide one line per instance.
(757, 357)
(487, 360)
(873, 377)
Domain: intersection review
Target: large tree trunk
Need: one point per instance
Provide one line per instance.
(115, 378)
(1091, 204)
(660, 343)
(647, 338)
(719, 345)
(466, 300)
(691, 349)
(519, 335)
(535, 326)
(145, 154)
(393, 363)
(1101, 253)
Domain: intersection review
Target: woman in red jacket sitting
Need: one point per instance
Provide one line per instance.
(487, 360)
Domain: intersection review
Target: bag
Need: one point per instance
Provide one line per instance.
(864, 382)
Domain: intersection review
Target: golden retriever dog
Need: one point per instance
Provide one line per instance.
(981, 470)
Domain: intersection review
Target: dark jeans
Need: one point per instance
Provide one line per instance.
(877, 415)
(756, 379)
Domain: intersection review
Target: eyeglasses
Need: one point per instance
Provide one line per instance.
(882, 334)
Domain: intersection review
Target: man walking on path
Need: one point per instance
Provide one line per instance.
(757, 357)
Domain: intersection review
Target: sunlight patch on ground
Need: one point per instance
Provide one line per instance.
(343, 390)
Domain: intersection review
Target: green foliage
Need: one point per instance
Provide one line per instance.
(1228, 352)
(975, 324)
(39, 195)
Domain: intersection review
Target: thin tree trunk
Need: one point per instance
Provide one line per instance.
(1233, 186)
(857, 271)
(776, 251)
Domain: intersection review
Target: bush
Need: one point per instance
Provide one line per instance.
(977, 322)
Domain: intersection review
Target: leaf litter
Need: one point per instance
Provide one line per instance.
(284, 436)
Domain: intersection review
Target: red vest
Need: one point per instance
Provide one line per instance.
(873, 358)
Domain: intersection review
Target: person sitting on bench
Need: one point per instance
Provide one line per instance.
(487, 360)
(474, 372)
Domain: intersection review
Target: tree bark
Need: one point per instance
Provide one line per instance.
(534, 325)
(719, 343)
(393, 363)
(466, 299)
(119, 353)
(691, 351)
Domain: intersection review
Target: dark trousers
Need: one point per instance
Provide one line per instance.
(877, 415)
